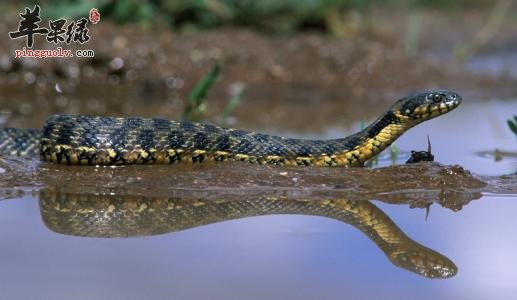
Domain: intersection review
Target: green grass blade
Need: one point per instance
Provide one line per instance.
(234, 101)
(513, 124)
(196, 104)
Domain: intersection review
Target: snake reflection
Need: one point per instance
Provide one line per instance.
(125, 216)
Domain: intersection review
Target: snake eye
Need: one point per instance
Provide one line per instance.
(435, 97)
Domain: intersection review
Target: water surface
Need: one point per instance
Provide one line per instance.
(470, 220)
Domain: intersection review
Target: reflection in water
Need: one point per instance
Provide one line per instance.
(498, 155)
(150, 200)
(124, 216)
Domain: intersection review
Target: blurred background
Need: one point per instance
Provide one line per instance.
(262, 65)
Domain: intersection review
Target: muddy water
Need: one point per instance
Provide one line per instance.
(238, 230)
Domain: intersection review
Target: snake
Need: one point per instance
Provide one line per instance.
(109, 216)
(97, 140)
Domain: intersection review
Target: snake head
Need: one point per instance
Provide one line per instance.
(423, 261)
(426, 105)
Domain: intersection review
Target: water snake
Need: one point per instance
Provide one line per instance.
(126, 216)
(95, 140)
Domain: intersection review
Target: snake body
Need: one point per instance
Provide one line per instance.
(94, 140)
(125, 216)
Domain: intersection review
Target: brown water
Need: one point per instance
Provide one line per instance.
(462, 207)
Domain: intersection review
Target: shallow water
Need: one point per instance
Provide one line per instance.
(470, 221)
(276, 256)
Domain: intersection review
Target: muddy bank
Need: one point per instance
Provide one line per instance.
(289, 79)
(416, 184)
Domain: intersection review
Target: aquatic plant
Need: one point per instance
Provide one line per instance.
(513, 124)
(196, 107)
(236, 94)
(196, 103)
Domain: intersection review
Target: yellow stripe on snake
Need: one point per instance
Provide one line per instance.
(124, 216)
(93, 140)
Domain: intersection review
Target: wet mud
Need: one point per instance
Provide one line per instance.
(423, 182)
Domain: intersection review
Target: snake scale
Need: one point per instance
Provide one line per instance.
(93, 140)
(124, 216)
